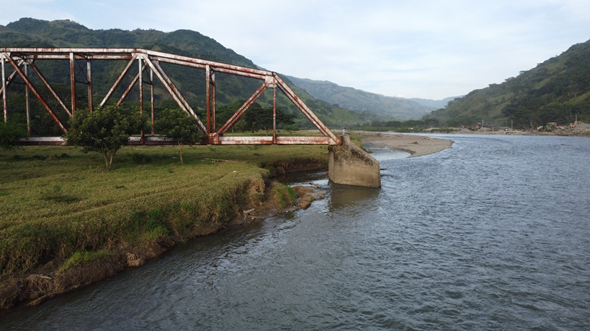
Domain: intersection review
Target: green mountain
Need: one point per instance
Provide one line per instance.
(65, 33)
(385, 108)
(29, 32)
(557, 90)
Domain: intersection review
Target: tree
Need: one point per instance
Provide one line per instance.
(258, 118)
(10, 132)
(104, 131)
(176, 125)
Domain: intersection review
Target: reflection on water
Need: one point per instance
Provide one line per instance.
(491, 234)
(348, 197)
(385, 153)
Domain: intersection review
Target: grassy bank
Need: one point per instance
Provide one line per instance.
(61, 213)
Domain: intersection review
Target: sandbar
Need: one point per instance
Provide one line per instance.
(414, 144)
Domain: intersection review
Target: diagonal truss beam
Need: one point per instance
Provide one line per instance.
(40, 75)
(14, 73)
(169, 85)
(10, 78)
(117, 82)
(303, 107)
(25, 78)
(131, 85)
(16, 57)
(232, 120)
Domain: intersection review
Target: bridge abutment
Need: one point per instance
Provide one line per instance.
(351, 165)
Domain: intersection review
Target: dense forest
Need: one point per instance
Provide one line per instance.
(557, 90)
(28, 32)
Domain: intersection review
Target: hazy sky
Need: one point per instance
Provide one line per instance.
(418, 48)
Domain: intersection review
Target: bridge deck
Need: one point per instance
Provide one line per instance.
(232, 140)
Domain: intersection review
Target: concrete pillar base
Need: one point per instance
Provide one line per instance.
(351, 165)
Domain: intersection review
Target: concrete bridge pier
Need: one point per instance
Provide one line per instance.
(351, 165)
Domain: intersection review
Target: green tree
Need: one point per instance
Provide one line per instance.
(104, 131)
(175, 124)
(10, 132)
(258, 118)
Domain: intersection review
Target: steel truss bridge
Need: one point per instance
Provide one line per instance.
(16, 62)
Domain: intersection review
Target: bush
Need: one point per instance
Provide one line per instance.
(175, 124)
(104, 131)
(10, 133)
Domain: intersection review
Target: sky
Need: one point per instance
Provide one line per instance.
(412, 49)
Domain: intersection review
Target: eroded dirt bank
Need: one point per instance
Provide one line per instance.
(254, 200)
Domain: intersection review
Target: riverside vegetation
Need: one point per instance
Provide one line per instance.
(65, 221)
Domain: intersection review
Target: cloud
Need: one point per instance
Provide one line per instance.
(419, 48)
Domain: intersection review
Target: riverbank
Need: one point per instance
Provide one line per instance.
(65, 222)
(414, 144)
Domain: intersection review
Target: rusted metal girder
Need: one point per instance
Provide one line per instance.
(39, 97)
(89, 82)
(118, 81)
(40, 75)
(73, 83)
(8, 81)
(232, 120)
(4, 107)
(151, 60)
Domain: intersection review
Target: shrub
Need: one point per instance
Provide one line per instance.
(104, 131)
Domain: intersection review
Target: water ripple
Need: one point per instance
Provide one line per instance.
(491, 234)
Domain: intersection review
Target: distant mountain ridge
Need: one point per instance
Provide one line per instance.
(360, 101)
(66, 33)
(30, 32)
(437, 104)
(334, 104)
(557, 90)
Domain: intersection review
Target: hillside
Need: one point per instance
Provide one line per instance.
(436, 104)
(364, 102)
(557, 90)
(29, 32)
(66, 33)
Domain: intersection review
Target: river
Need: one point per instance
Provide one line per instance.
(493, 233)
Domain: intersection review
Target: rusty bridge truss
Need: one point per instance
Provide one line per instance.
(17, 62)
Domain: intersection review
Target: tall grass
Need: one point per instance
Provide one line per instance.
(56, 201)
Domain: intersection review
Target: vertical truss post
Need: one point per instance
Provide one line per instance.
(4, 90)
(89, 77)
(27, 103)
(140, 73)
(73, 82)
(274, 114)
(213, 88)
(140, 78)
(208, 97)
(152, 98)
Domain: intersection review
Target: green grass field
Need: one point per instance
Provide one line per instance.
(57, 202)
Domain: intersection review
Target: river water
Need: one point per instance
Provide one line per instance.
(493, 233)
